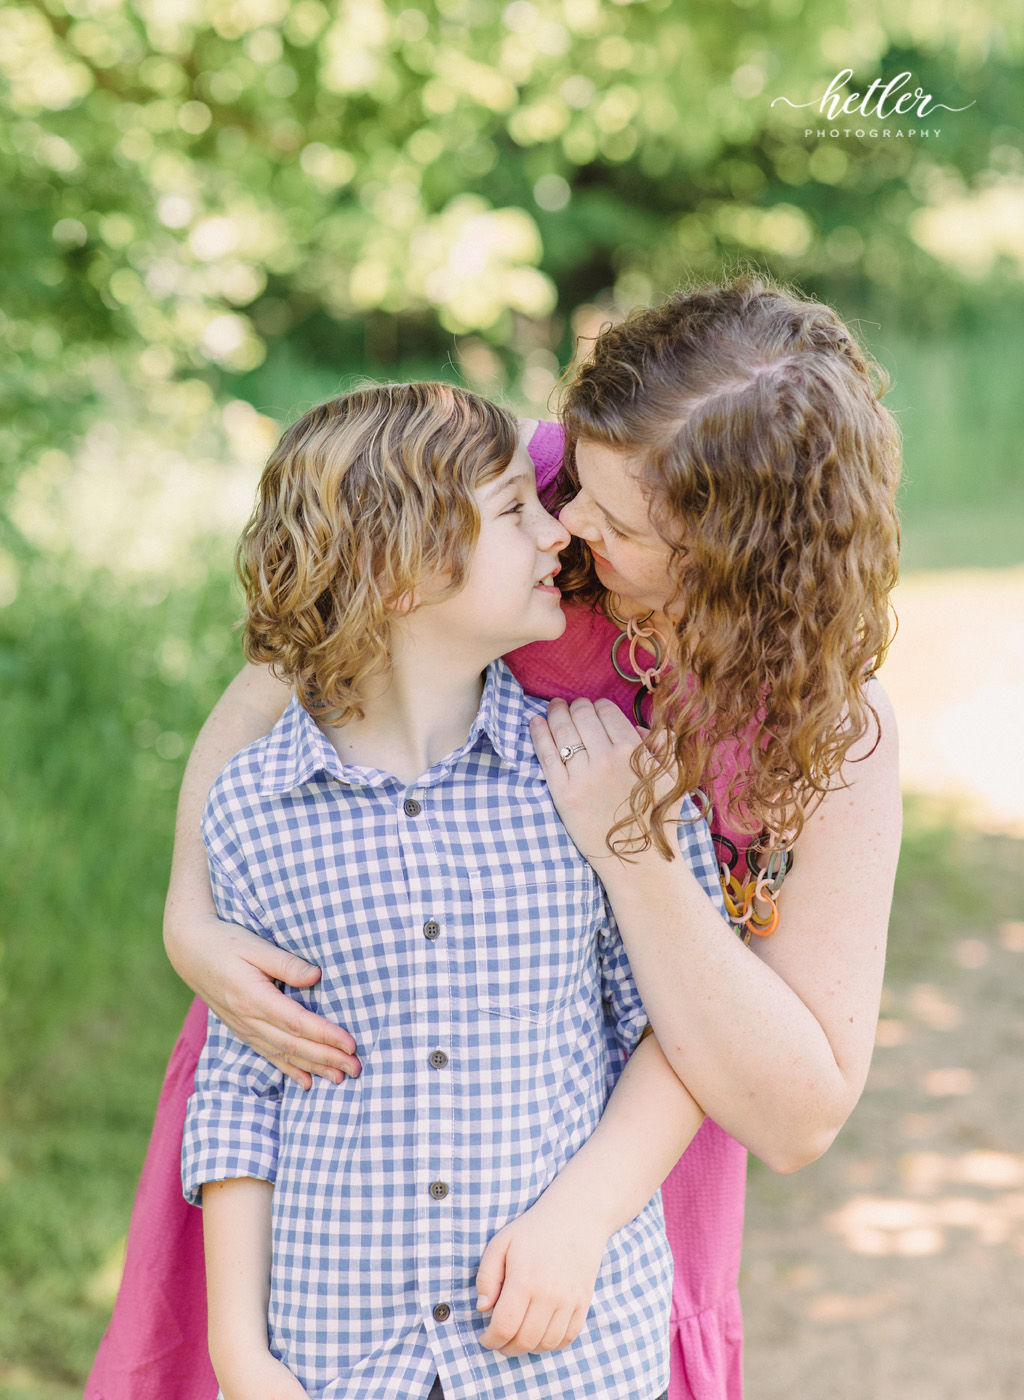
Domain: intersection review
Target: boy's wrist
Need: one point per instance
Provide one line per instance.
(251, 1373)
(593, 1204)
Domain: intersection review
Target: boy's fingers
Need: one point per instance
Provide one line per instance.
(528, 1334)
(506, 1320)
(576, 1325)
(490, 1275)
(555, 1333)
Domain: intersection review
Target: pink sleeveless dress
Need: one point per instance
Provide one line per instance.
(155, 1346)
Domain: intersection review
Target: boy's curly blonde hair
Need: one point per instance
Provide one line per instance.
(754, 420)
(364, 498)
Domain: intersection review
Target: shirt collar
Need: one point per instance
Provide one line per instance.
(502, 716)
(296, 750)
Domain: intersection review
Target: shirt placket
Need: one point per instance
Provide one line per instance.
(431, 1042)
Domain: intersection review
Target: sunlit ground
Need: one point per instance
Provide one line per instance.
(956, 677)
(893, 1269)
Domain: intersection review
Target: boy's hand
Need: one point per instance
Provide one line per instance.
(537, 1276)
(260, 1377)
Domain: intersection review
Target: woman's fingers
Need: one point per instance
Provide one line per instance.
(307, 1055)
(619, 729)
(313, 1045)
(301, 1077)
(288, 1034)
(562, 726)
(283, 966)
(285, 1014)
(544, 744)
(600, 726)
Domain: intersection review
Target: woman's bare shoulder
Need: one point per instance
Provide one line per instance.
(881, 739)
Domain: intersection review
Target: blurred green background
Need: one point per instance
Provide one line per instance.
(217, 212)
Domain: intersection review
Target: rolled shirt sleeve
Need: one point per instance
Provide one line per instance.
(232, 1123)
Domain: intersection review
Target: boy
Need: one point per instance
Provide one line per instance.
(395, 828)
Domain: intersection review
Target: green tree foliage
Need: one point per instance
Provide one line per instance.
(191, 182)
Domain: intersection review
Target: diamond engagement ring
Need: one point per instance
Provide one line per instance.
(567, 750)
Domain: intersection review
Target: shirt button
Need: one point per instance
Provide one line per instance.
(431, 929)
(438, 1059)
(412, 807)
(442, 1312)
(439, 1189)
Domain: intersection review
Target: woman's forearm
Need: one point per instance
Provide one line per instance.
(248, 709)
(775, 1040)
(733, 1031)
(232, 969)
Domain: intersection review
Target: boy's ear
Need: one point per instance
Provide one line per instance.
(431, 588)
(405, 603)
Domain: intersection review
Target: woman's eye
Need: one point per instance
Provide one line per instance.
(619, 534)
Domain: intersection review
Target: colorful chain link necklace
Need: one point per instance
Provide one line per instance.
(752, 905)
(636, 632)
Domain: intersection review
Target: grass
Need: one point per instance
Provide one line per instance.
(957, 398)
(96, 719)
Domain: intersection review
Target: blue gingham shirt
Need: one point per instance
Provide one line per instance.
(467, 946)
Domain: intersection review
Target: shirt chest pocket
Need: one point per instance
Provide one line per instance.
(532, 944)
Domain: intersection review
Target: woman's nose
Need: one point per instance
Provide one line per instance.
(554, 534)
(575, 517)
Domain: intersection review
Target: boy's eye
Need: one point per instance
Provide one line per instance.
(516, 508)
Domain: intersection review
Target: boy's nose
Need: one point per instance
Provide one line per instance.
(554, 535)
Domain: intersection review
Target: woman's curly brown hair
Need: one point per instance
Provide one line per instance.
(362, 499)
(754, 421)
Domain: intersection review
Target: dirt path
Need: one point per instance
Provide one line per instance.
(893, 1269)
(956, 677)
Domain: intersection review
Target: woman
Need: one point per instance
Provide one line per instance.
(729, 475)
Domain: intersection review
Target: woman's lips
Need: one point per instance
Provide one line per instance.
(599, 560)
